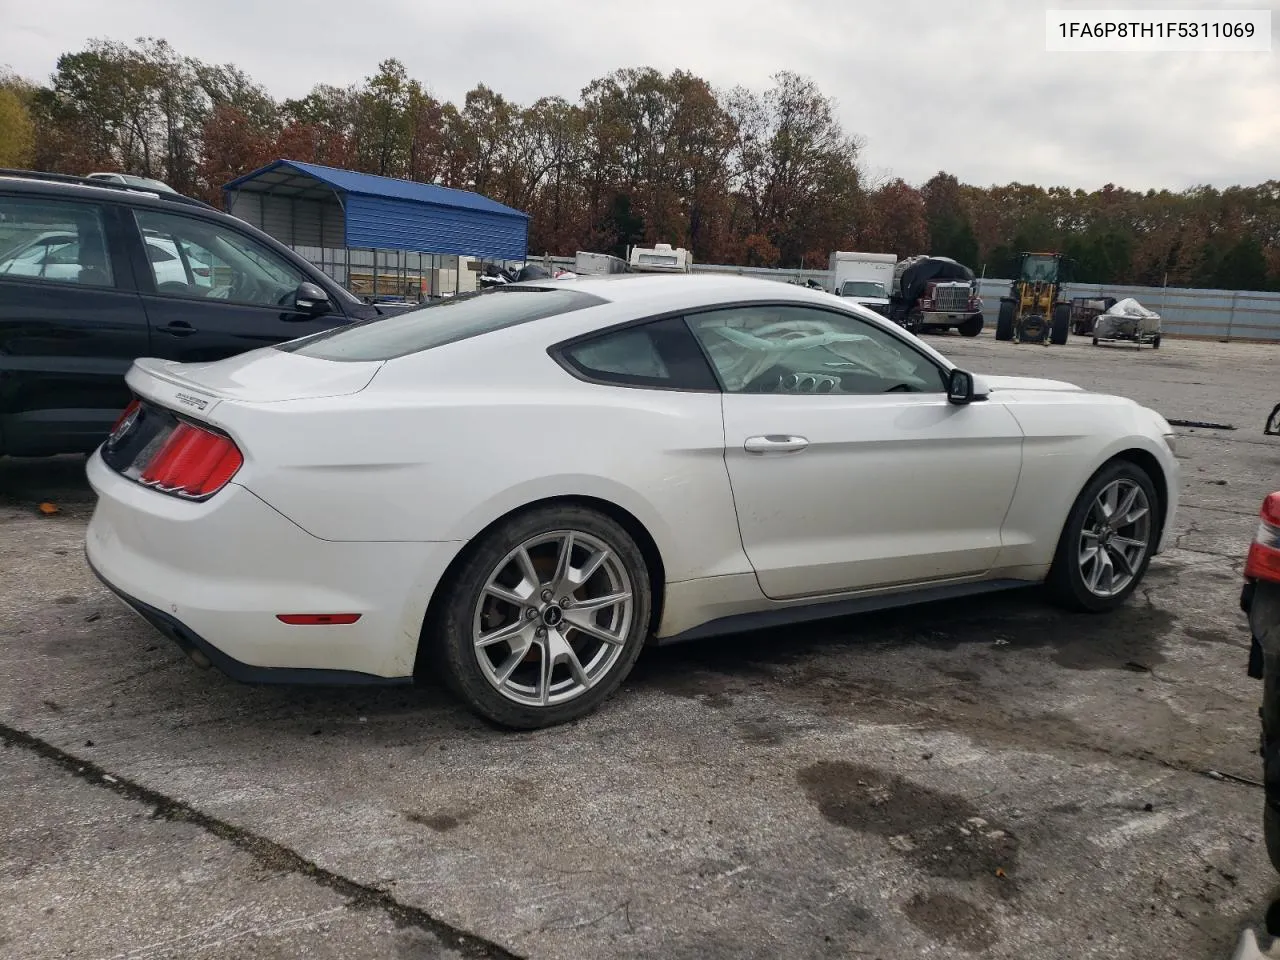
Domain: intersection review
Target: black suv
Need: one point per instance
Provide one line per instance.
(95, 274)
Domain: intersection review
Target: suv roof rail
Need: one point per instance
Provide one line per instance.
(105, 184)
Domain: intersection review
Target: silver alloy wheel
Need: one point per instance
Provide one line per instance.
(553, 618)
(1115, 537)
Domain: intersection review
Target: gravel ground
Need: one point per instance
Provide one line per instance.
(981, 778)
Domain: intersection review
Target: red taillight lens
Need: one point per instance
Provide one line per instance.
(1263, 562)
(127, 412)
(193, 463)
(317, 619)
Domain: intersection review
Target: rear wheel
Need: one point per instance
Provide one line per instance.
(1004, 320)
(972, 326)
(1155, 344)
(1061, 329)
(545, 618)
(1095, 341)
(1108, 539)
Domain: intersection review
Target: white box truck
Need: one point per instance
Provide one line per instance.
(864, 278)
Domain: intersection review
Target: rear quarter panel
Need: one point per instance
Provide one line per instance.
(442, 444)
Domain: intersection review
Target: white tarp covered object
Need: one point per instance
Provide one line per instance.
(1127, 320)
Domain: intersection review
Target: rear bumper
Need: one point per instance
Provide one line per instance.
(206, 654)
(215, 575)
(935, 317)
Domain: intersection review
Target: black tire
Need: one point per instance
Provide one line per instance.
(1271, 832)
(1061, 329)
(451, 630)
(1095, 341)
(972, 326)
(1155, 344)
(1004, 320)
(1066, 580)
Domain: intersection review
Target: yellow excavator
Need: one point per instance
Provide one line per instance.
(1034, 311)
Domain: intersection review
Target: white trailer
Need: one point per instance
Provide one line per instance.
(660, 258)
(597, 264)
(864, 278)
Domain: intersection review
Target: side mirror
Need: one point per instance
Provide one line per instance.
(311, 299)
(960, 388)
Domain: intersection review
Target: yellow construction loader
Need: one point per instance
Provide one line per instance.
(1034, 311)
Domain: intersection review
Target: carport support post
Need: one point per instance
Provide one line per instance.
(1231, 317)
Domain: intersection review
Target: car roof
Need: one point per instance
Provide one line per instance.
(655, 292)
(35, 182)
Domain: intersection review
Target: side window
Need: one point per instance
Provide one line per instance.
(53, 240)
(784, 349)
(196, 258)
(659, 354)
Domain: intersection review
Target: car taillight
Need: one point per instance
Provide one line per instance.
(1264, 553)
(125, 415)
(193, 463)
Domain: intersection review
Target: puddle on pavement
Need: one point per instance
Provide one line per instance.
(940, 833)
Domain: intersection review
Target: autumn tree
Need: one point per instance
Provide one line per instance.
(950, 228)
(895, 220)
(17, 129)
(762, 177)
(794, 169)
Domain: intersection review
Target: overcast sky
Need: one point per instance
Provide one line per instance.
(964, 86)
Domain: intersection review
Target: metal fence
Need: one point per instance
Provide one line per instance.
(1203, 314)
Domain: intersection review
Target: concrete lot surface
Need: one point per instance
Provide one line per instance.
(983, 778)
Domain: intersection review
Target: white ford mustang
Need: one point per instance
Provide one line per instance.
(519, 489)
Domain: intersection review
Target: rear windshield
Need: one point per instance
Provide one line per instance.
(438, 323)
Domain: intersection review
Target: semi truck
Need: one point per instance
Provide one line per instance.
(864, 278)
(933, 294)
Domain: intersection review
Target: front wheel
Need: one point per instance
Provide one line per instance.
(1004, 320)
(1107, 540)
(972, 326)
(1059, 331)
(545, 618)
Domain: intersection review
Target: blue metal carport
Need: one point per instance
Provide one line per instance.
(308, 205)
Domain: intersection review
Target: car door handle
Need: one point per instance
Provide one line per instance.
(775, 443)
(178, 328)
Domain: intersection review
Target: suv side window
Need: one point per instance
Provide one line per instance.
(659, 354)
(53, 240)
(195, 258)
(763, 348)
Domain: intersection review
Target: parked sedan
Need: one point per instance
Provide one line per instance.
(518, 489)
